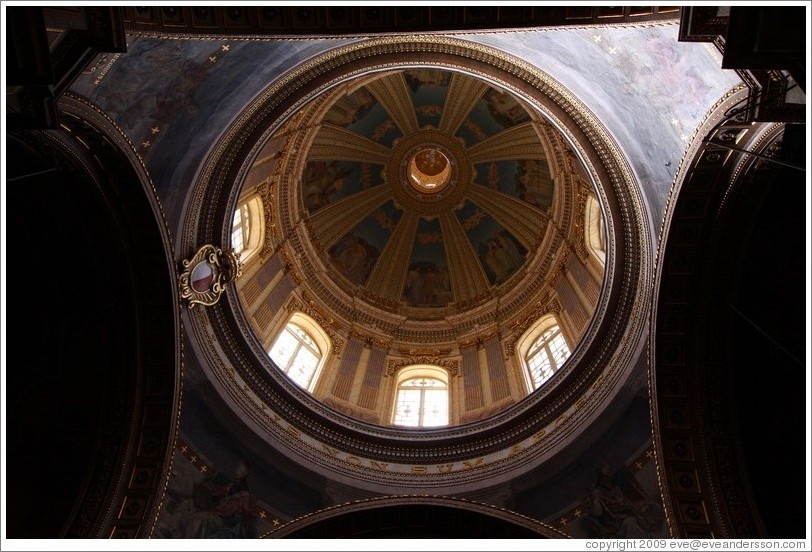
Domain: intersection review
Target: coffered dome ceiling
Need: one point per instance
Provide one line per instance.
(423, 204)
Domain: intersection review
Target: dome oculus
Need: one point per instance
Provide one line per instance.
(429, 170)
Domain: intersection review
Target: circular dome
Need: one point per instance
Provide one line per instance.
(425, 211)
(530, 247)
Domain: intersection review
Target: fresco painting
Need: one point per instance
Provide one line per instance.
(499, 252)
(175, 71)
(672, 81)
(428, 283)
(620, 505)
(173, 98)
(357, 252)
(324, 182)
(351, 108)
(504, 108)
(428, 88)
(201, 504)
(361, 113)
(611, 489)
(526, 179)
(494, 112)
(649, 89)
(355, 257)
(223, 484)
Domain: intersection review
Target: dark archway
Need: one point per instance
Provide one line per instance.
(730, 341)
(92, 356)
(415, 517)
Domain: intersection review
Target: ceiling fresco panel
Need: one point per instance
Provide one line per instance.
(499, 252)
(356, 253)
(525, 179)
(649, 88)
(354, 256)
(428, 88)
(174, 98)
(495, 112)
(427, 281)
(324, 182)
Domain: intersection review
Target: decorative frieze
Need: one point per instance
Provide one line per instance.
(451, 365)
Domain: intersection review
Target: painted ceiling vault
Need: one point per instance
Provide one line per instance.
(438, 159)
(423, 205)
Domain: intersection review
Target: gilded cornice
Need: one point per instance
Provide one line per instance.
(580, 224)
(479, 339)
(452, 366)
(415, 352)
(370, 339)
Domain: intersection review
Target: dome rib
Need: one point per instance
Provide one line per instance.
(463, 94)
(393, 94)
(337, 219)
(388, 276)
(337, 143)
(525, 222)
(516, 142)
(468, 280)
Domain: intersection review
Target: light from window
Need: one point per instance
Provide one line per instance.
(422, 402)
(546, 356)
(595, 233)
(295, 353)
(240, 229)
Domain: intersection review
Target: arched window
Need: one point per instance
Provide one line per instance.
(240, 229)
(247, 228)
(422, 397)
(297, 351)
(546, 355)
(595, 234)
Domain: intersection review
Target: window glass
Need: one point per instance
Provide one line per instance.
(546, 355)
(422, 402)
(296, 354)
(239, 229)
